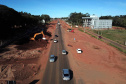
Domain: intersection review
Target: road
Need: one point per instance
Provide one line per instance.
(53, 72)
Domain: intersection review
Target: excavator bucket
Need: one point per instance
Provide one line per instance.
(32, 39)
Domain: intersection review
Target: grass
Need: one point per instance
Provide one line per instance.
(80, 29)
(115, 35)
(124, 51)
(111, 34)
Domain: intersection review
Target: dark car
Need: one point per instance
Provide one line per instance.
(56, 35)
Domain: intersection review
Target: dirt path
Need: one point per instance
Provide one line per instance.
(98, 64)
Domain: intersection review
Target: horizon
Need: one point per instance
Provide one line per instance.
(58, 9)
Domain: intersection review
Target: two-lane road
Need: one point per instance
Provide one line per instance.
(53, 72)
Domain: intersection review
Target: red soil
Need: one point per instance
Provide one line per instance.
(98, 64)
(26, 62)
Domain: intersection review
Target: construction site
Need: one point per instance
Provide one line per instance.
(23, 59)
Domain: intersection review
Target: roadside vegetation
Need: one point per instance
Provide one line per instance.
(115, 35)
(122, 50)
(119, 21)
(76, 18)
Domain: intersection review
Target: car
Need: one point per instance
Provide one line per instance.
(79, 50)
(66, 74)
(64, 52)
(55, 41)
(52, 58)
(56, 35)
(11, 82)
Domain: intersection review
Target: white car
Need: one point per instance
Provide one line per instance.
(64, 52)
(66, 74)
(52, 58)
(79, 50)
(55, 41)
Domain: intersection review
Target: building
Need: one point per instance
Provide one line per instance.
(94, 22)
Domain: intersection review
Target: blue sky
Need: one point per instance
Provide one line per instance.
(62, 8)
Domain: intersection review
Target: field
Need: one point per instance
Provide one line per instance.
(115, 35)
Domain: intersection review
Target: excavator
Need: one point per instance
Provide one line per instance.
(33, 38)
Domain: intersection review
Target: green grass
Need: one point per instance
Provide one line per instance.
(80, 29)
(115, 35)
(118, 48)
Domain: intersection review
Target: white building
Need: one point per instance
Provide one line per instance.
(94, 22)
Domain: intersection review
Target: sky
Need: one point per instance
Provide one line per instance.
(63, 8)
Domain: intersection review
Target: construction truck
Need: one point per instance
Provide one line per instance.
(33, 38)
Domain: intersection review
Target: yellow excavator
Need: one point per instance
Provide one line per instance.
(33, 38)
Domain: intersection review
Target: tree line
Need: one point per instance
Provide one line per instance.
(76, 19)
(117, 20)
(11, 20)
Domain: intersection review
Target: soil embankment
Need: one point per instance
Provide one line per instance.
(98, 64)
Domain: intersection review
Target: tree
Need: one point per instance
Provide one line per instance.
(45, 17)
(117, 20)
(76, 18)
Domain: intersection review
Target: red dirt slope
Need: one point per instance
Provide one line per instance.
(98, 64)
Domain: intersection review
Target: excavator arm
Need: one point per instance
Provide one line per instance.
(33, 38)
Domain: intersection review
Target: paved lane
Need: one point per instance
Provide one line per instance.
(53, 72)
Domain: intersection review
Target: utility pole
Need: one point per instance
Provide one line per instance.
(125, 42)
(84, 25)
(98, 33)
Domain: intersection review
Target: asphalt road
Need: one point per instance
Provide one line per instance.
(53, 72)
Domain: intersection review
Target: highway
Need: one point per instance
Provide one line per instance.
(53, 72)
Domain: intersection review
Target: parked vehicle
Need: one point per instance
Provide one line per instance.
(66, 74)
(52, 58)
(10, 82)
(79, 50)
(64, 52)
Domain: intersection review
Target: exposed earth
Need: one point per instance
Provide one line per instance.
(98, 64)
(25, 61)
